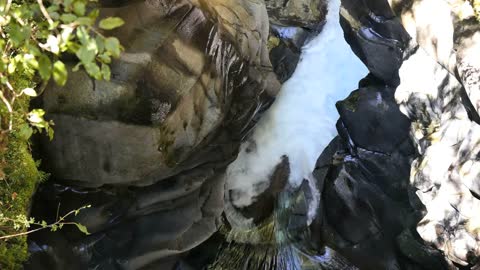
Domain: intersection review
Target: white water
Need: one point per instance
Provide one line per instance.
(301, 122)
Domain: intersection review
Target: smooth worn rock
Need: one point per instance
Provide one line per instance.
(193, 85)
(148, 149)
(130, 228)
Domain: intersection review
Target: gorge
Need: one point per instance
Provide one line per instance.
(298, 134)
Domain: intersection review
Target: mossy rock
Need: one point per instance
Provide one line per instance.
(20, 176)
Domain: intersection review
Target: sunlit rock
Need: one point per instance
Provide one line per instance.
(443, 174)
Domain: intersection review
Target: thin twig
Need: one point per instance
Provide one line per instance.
(57, 223)
(45, 12)
(9, 108)
(7, 6)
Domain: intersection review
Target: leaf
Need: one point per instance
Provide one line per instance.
(60, 73)
(18, 34)
(85, 21)
(76, 67)
(100, 44)
(105, 58)
(85, 55)
(111, 23)
(52, 44)
(93, 70)
(94, 14)
(113, 46)
(82, 228)
(68, 17)
(79, 8)
(106, 72)
(82, 35)
(25, 131)
(12, 66)
(30, 92)
(44, 67)
(50, 133)
(36, 116)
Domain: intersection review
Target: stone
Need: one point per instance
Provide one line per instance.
(302, 13)
(292, 25)
(189, 86)
(148, 149)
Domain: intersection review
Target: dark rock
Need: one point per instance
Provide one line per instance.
(286, 46)
(376, 36)
(292, 25)
(373, 119)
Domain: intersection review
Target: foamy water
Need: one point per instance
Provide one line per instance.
(301, 122)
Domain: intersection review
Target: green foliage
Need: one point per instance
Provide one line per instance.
(34, 34)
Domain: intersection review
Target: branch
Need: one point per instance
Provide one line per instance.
(45, 12)
(57, 223)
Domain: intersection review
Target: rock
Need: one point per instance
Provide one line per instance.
(376, 36)
(449, 33)
(132, 228)
(439, 109)
(373, 119)
(299, 13)
(209, 86)
(366, 197)
(286, 46)
(444, 173)
(292, 25)
(148, 149)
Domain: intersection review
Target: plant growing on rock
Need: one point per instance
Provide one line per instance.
(34, 36)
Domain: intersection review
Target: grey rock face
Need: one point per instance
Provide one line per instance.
(174, 94)
(148, 149)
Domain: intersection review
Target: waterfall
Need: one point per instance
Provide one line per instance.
(301, 121)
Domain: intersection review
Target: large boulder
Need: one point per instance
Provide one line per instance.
(147, 150)
(182, 94)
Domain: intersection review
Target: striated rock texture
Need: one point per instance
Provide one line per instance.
(187, 85)
(147, 149)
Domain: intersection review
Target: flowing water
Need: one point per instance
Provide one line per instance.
(301, 122)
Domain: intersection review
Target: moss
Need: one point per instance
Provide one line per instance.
(20, 177)
(273, 42)
(351, 102)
